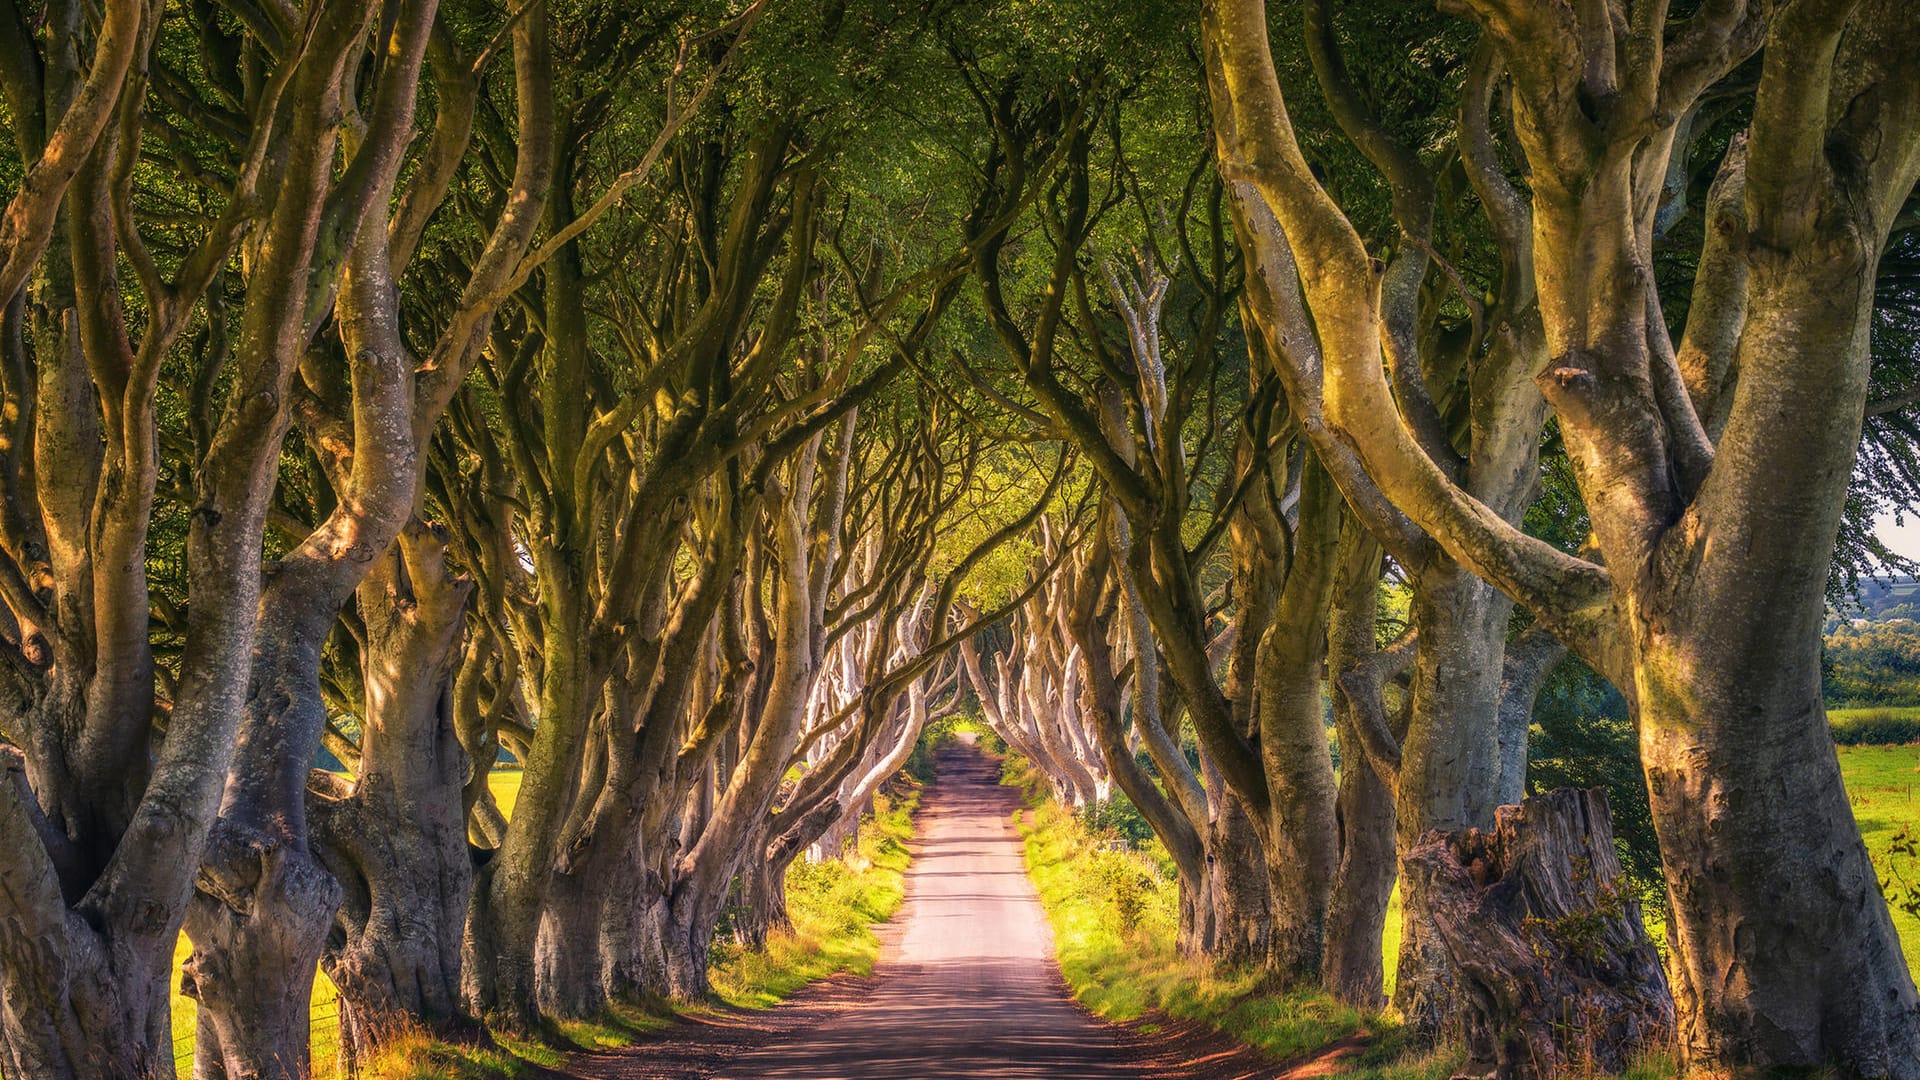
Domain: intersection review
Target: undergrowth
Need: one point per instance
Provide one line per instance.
(1115, 911)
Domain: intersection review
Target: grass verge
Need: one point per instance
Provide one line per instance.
(834, 905)
(1114, 914)
(1114, 917)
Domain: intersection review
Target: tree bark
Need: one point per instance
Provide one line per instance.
(1450, 761)
(1549, 963)
(398, 843)
(1352, 968)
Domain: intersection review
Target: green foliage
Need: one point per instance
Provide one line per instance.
(943, 731)
(1117, 821)
(1873, 663)
(1582, 737)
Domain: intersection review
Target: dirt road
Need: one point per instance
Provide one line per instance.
(966, 985)
(969, 988)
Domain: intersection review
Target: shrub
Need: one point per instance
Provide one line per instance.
(1875, 727)
(1117, 819)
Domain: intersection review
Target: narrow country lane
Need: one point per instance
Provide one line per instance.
(968, 987)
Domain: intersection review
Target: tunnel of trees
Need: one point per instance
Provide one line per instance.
(1246, 409)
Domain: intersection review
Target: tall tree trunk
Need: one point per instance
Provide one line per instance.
(1784, 951)
(264, 902)
(1353, 968)
(1242, 901)
(398, 842)
(503, 924)
(1450, 763)
(1530, 659)
(758, 898)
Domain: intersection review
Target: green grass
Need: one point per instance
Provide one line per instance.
(1114, 914)
(1875, 726)
(1883, 784)
(1114, 918)
(834, 905)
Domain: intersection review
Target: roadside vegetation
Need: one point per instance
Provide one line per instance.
(1114, 911)
(834, 904)
(1110, 895)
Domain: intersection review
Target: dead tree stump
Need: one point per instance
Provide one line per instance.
(1553, 971)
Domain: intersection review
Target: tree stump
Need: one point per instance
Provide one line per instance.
(1553, 970)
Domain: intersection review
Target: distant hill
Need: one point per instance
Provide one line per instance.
(1895, 598)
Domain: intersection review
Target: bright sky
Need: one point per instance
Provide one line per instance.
(1903, 539)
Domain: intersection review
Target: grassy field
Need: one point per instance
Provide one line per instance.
(1881, 783)
(1875, 726)
(1113, 915)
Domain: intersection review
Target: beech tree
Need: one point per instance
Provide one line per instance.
(689, 406)
(1720, 655)
(106, 825)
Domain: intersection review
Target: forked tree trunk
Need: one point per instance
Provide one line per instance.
(69, 1011)
(692, 916)
(1549, 964)
(263, 901)
(632, 937)
(398, 842)
(1786, 955)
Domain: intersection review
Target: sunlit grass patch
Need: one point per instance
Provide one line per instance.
(419, 1056)
(1883, 785)
(1115, 914)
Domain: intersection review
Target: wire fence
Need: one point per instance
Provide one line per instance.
(323, 1036)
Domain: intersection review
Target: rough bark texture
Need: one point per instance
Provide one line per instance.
(1352, 967)
(1551, 968)
(397, 842)
(1450, 764)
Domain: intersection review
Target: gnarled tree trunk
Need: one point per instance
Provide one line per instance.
(1549, 966)
(397, 842)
